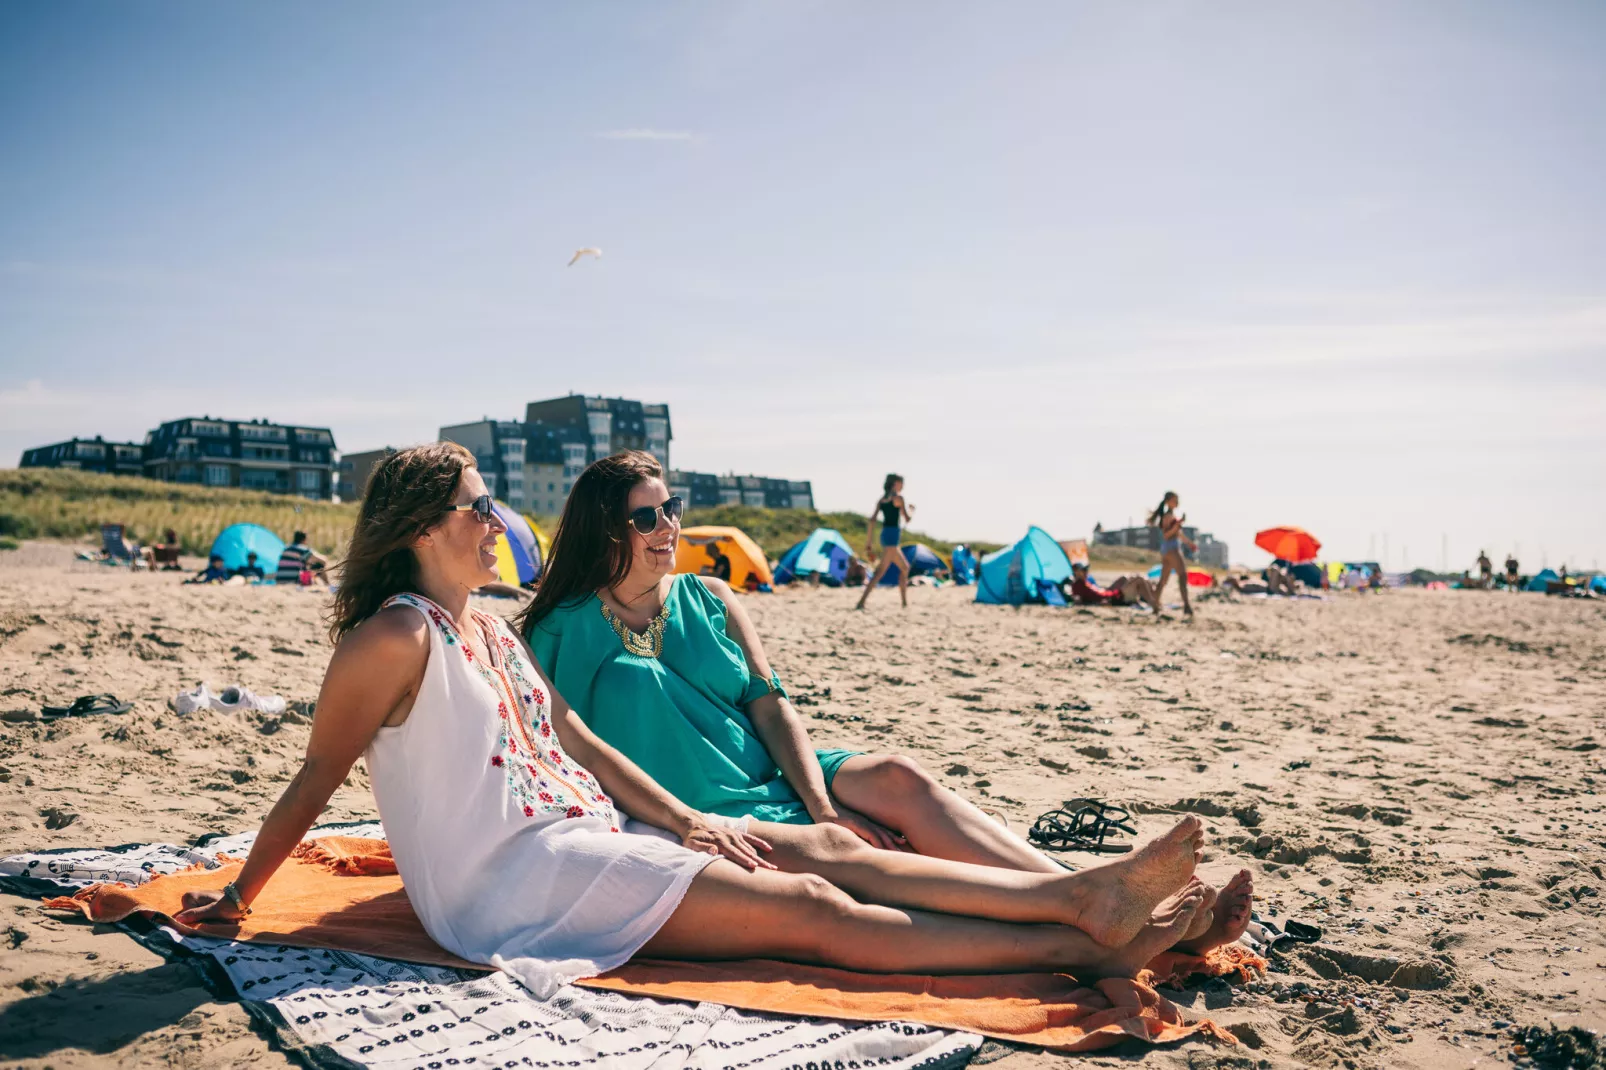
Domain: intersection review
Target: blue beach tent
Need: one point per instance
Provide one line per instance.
(922, 560)
(1014, 574)
(825, 551)
(1538, 583)
(964, 566)
(237, 540)
(518, 552)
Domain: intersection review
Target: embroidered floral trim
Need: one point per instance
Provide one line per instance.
(541, 778)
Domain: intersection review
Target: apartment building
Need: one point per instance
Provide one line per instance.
(248, 454)
(531, 467)
(702, 489)
(89, 455)
(609, 424)
(1211, 552)
(353, 469)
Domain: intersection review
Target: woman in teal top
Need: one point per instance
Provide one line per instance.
(669, 669)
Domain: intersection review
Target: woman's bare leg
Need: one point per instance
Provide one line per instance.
(881, 566)
(731, 913)
(1181, 568)
(1111, 902)
(896, 792)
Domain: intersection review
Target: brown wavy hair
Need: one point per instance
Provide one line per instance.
(408, 493)
(591, 549)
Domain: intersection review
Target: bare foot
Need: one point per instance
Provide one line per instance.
(1112, 902)
(1201, 920)
(1232, 908)
(1159, 933)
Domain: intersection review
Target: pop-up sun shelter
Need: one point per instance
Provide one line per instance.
(922, 560)
(1540, 581)
(237, 540)
(1016, 573)
(518, 552)
(964, 566)
(745, 556)
(825, 552)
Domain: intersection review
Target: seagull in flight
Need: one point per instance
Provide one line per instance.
(578, 253)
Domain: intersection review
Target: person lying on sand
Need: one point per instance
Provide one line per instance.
(1123, 591)
(1244, 583)
(526, 842)
(214, 572)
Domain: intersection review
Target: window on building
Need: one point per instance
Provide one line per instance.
(264, 432)
(186, 473)
(263, 479)
(208, 427)
(90, 450)
(308, 481)
(216, 475)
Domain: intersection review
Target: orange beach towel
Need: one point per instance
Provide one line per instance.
(343, 893)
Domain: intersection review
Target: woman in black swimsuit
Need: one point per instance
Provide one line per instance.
(895, 512)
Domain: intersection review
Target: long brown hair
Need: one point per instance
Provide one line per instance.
(408, 493)
(591, 549)
(1162, 509)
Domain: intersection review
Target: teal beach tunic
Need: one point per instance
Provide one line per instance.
(681, 716)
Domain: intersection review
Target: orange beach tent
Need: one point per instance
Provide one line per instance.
(745, 556)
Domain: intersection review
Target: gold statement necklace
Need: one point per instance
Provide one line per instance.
(645, 644)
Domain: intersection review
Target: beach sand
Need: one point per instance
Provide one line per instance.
(1447, 835)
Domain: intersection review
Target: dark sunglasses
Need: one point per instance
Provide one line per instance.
(480, 507)
(645, 519)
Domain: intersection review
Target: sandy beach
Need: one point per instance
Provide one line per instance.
(1447, 834)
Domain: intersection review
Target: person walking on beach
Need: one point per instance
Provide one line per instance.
(1485, 570)
(894, 513)
(1172, 538)
(1511, 572)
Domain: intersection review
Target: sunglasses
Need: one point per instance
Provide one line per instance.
(645, 519)
(480, 507)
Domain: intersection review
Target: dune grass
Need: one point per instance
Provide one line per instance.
(63, 503)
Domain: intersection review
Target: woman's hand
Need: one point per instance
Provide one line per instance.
(203, 907)
(740, 847)
(870, 832)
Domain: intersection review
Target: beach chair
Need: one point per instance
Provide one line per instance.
(118, 549)
(115, 546)
(1050, 592)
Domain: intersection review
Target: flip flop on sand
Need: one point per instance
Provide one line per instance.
(86, 706)
(1082, 825)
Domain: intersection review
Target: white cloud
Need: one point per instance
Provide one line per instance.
(642, 134)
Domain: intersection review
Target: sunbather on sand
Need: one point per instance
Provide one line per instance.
(215, 572)
(1122, 591)
(499, 805)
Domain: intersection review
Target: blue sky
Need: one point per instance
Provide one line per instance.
(1341, 266)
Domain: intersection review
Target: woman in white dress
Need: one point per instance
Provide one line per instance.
(526, 843)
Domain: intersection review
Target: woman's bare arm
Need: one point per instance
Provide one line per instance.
(642, 797)
(375, 672)
(781, 731)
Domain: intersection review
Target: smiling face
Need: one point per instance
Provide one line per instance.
(651, 555)
(461, 548)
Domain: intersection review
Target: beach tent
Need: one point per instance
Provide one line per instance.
(824, 552)
(745, 556)
(1542, 580)
(1011, 576)
(542, 539)
(922, 559)
(518, 554)
(1197, 577)
(1598, 583)
(237, 540)
(964, 566)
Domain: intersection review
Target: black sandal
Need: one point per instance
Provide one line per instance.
(1082, 825)
(86, 706)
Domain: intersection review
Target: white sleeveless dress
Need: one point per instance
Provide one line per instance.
(511, 853)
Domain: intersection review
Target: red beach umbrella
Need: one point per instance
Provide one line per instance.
(1291, 544)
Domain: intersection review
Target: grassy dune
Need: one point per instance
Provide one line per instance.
(63, 503)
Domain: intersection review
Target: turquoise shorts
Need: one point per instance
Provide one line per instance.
(831, 761)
